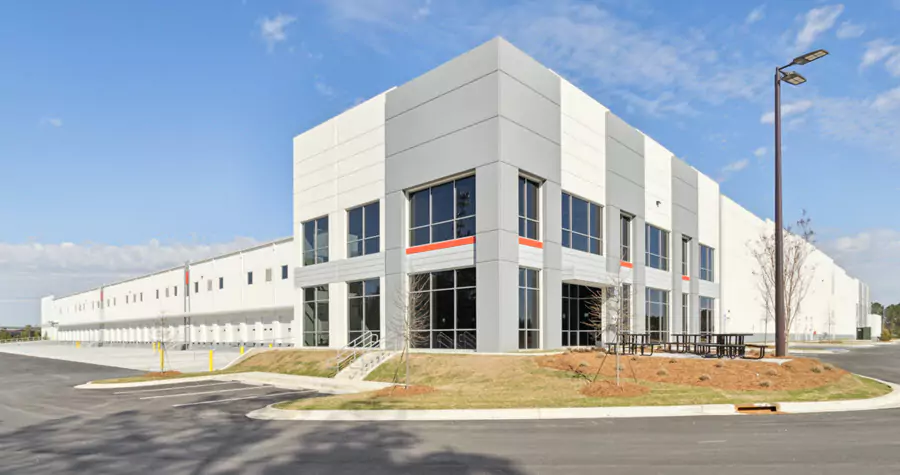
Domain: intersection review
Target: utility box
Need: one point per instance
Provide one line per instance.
(863, 333)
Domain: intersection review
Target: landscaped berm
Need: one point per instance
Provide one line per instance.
(583, 379)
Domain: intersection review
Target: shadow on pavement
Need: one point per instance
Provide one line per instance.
(211, 441)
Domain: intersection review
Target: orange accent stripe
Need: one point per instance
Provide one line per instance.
(441, 245)
(684, 277)
(626, 264)
(531, 242)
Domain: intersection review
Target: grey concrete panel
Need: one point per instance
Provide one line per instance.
(612, 244)
(395, 261)
(624, 195)
(463, 150)
(619, 130)
(639, 272)
(551, 214)
(527, 70)
(684, 221)
(497, 323)
(463, 69)
(528, 151)
(394, 220)
(551, 308)
(497, 245)
(624, 162)
(393, 316)
(463, 107)
(684, 172)
(524, 106)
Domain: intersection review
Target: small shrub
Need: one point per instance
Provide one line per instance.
(720, 364)
(673, 360)
(828, 367)
(662, 372)
(771, 372)
(704, 377)
(765, 384)
(885, 335)
(816, 369)
(634, 358)
(620, 368)
(582, 364)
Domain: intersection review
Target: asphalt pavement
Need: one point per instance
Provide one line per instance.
(96, 431)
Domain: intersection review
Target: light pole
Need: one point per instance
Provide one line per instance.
(795, 79)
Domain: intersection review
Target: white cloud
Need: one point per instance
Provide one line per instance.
(732, 168)
(663, 104)
(876, 51)
(817, 21)
(755, 15)
(792, 108)
(52, 121)
(850, 30)
(323, 88)
(867, 255)
(887, 101)
(760, 152)
(30, 271)
(272, 30)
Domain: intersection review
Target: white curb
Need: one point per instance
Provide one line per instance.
(890, 400)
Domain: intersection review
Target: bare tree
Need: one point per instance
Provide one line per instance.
(798, 245)
(414, 309)
(609, 314)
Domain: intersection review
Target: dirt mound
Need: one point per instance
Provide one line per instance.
(743, 375)
(605, 388)
(162, 374)
(401, 391)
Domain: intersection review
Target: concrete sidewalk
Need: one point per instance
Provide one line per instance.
(257, 378)
(136, 358)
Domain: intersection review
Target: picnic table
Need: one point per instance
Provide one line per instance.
(708, 345)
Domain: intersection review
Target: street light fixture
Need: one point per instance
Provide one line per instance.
(793, 78)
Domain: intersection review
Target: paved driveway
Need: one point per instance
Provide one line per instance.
(111, 435)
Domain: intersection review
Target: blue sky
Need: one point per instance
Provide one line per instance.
(138, 134)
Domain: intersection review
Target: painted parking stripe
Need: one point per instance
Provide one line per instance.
(201, 393)
(176, 388)
(240, 398)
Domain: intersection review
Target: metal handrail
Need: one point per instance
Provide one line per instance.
(20, 340)
(351, 351)
(468, 340)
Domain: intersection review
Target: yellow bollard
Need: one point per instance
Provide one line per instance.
(242, 349)
(270, 345)
(210, 361)
(77, 344)
(162, 361)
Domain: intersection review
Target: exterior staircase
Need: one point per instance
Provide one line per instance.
(364, 364)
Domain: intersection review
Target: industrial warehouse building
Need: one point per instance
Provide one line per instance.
(512, 195)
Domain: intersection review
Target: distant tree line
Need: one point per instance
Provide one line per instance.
(891, 316)
(13, 333)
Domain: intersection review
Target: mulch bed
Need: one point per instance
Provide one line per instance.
(742, 375)
(604, 388)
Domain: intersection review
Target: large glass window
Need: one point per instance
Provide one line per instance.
(625, 237)
(363, 224)
(657, 242)
(582, 223)
(315, 241)
(657, 314)
(529, 309)
(685, 255)
(707, 263)
(528, 208)
(577, 327)
(364, 308)
(315, 316)
(442, 212)
(445, 302)
(707, 315)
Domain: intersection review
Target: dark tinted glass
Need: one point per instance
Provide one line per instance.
(372, 220)
(465, 308)
(579, 215)
(442, 203)
(566, 215)
(465, 197)
(465, 277)
(355, 289)
(443, 309)
(443, 279)
(373, 286)
(355, 224)
(418, 208)
(442, 232)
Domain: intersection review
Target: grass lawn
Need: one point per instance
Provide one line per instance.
(318, 363)
(482, 382)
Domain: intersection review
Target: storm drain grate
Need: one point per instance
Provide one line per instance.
(758, 408)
